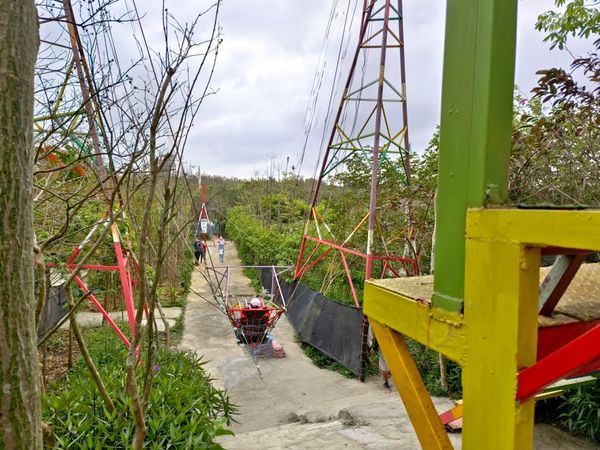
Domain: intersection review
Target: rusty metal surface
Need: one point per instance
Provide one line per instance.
(580, 302)
(557, 280)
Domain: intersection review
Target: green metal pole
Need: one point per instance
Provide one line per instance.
(475, 129)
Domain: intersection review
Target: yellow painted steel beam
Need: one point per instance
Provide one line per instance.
(418, 404)
(497, 335)
(537, 227)
(439, 330)
(500, 319)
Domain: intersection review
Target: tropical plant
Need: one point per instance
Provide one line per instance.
(184, 409)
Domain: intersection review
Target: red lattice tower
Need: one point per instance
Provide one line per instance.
(372, 119)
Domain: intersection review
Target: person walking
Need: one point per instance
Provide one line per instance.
(385, 371)
(221, 246)
(203, 247)
(197, 250)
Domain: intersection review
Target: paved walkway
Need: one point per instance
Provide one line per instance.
(90, 319)
(297, 405)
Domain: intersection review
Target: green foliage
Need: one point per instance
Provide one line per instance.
(282, 209)
(186, 268)
(184, 411)
(260, 245)
(325, 362)
(581, 411)
(429, 367)
(580, 18)
(171, 296)
(555, 156)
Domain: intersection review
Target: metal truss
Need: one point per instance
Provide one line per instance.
(371, 123)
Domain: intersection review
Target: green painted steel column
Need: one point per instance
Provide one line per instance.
(475, 129)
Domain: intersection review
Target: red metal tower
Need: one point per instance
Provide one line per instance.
(371, 120)
(125, 264)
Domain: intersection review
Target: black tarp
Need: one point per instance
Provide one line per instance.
(54, 310)
(331, 327)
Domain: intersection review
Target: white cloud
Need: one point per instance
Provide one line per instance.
(266, 65)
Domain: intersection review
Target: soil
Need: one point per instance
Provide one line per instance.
(55, 360)
(296, 405)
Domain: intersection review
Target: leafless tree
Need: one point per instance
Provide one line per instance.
(127, 128)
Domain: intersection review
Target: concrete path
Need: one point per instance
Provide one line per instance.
(90, 319)
(297, 405)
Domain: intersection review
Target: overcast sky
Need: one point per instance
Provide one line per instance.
(267, 62)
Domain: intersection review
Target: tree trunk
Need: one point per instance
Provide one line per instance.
(20, 417)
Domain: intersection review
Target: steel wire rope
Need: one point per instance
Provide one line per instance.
(109, 49)
(107, 125)
(102, 61)
(334, 86)
(346, 108)
(217, 3)
(179, 151)
(100, 58)
(311, 106)
(341, 53)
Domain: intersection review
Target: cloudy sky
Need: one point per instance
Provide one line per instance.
(267, 62)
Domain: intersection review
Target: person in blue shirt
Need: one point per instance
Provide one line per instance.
(197, 250)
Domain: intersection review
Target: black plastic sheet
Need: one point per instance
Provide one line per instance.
(54, 310)
(331, 327)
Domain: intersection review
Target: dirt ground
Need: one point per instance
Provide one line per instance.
(297, 405)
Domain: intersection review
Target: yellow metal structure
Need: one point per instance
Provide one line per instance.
(437, 329)
(500, 318)
(419, 406)
(497, 334)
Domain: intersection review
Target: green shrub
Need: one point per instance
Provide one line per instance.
(184, 411)
(259, 245)
(323, 361)
(581, 411)
(186, 269)
(429, 367)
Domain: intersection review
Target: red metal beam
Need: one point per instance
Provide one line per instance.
(558, 280)
(300, 270)
(320, 258)
(125, 284)
(349, 276)
(394, 271)
(74, 255)
(360, 254)
(551, 339)
(300, 255)
(562, 363)
(98, 306)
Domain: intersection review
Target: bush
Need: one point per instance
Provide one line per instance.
(429, 367)
(581, 411)
(184, 410)
(186, 269)
(322, 361)
(259, 245)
